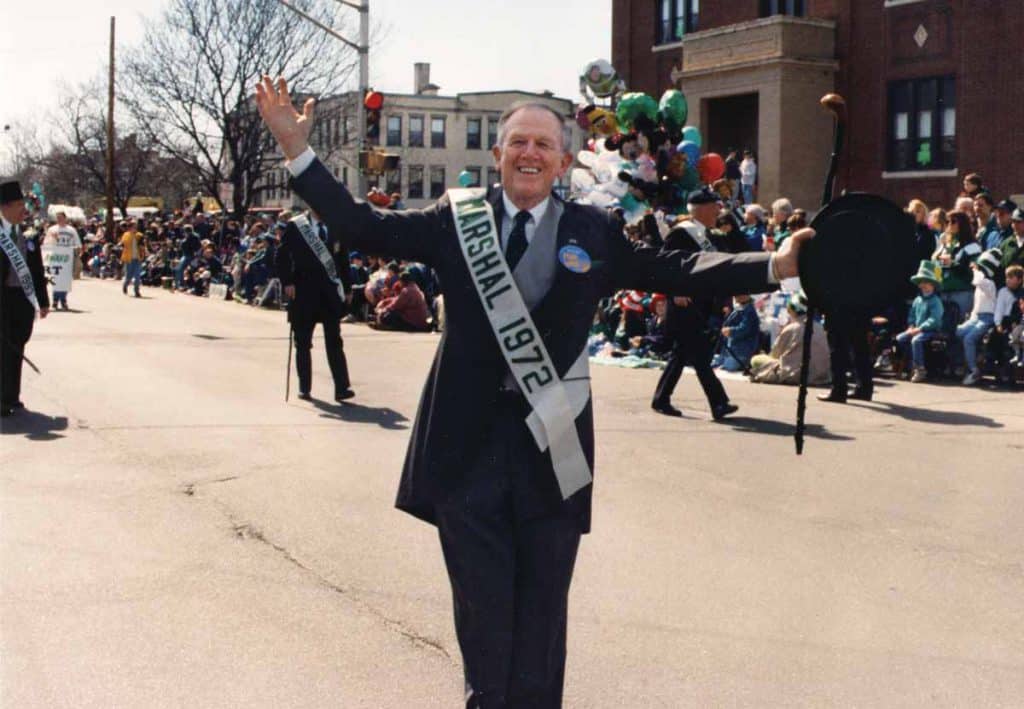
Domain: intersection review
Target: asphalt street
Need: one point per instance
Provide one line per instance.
(173, 534)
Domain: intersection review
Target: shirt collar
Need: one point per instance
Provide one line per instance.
(537, 212)
(6, 225)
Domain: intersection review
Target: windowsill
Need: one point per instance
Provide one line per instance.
(894, 3)
(667, 47)
(918, 174)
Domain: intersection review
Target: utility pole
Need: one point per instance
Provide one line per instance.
(110, 139)
(363, 47)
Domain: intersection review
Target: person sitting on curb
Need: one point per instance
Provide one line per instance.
(925, 318)
(782, 364)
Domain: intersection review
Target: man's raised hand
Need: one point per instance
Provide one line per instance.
(288, 126)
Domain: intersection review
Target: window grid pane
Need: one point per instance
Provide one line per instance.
(416, 131)
(436, 182)
(473, 134)
(415, 190)
(437, 132)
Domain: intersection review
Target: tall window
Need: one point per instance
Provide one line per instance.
(415, 182)
(473, 134)
(922, 124)
(782, 7)
(492, 132)
(676, 18)
(346, 129)
(436, 181)
(394, 130)
(415, 131)
(393, 181)
(492, 176)
(437, 131)
(474, 173)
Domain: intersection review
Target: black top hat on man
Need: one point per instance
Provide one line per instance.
(10, 191)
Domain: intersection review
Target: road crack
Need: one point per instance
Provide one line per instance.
(247, 531)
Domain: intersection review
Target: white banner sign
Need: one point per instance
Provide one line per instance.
(59, 263)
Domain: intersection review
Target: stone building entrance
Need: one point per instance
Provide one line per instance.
(731, 124)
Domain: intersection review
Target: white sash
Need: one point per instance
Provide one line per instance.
(553, 419)
(699, 234)
(20, 265)
(320, 249)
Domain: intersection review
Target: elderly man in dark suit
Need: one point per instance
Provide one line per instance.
(22, 293)
(312, 288)
(501, 454)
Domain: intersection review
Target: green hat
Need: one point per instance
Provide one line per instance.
(989, 262)
(929, 271)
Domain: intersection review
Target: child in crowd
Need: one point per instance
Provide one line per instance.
(925, 318)
(970, 333)
(782, 364)
(742, 330)
(1007, 317)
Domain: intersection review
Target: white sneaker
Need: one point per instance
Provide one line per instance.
(919, 375)
(883, 361)
(972, 378)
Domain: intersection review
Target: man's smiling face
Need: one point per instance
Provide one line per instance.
(531, 156)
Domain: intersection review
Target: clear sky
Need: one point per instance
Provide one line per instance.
(472, 45)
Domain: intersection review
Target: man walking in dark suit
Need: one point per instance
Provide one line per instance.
(501, 455)
(686, 319)
(22, 293)
(312, 264)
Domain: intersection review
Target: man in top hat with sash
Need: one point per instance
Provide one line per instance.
(22, 293)
(313, 267)
(501, 453)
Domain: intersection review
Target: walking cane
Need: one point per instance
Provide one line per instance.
(288, 369)
(837, 106)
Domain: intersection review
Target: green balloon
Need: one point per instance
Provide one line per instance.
(674, 109)
(632, 105)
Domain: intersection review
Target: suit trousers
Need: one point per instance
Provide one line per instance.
(691, 348)
(334, 347)
(844, 334)
(510, 573)
(16, 319)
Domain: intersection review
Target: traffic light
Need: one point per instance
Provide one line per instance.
(373, 102)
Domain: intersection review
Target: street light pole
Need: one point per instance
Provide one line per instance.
(363, 47)
(364, 87)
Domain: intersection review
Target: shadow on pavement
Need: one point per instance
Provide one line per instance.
(357, 413)
(34, 425)
(746, 424)
(924, 415)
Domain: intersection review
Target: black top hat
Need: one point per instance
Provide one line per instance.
(703, 196)
(861, 256)
(10, 191)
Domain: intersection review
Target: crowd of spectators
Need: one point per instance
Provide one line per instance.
(964, 322)
(974, 253)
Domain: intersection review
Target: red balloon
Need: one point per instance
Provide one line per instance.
(711, 167)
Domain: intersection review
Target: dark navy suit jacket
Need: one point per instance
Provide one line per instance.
(460, 396)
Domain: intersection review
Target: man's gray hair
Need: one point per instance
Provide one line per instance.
(519, 106)
(783, 205)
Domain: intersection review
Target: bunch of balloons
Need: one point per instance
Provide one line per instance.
(642, 154)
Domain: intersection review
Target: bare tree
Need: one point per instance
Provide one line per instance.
(75, 164)
(190, 84)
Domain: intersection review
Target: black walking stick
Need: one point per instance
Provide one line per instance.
(288, 369)
(837, 106)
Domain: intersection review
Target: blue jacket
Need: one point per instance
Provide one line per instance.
(926, 313)
(755, 236)
(745, 332)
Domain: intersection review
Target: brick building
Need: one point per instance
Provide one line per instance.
(935, 88)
